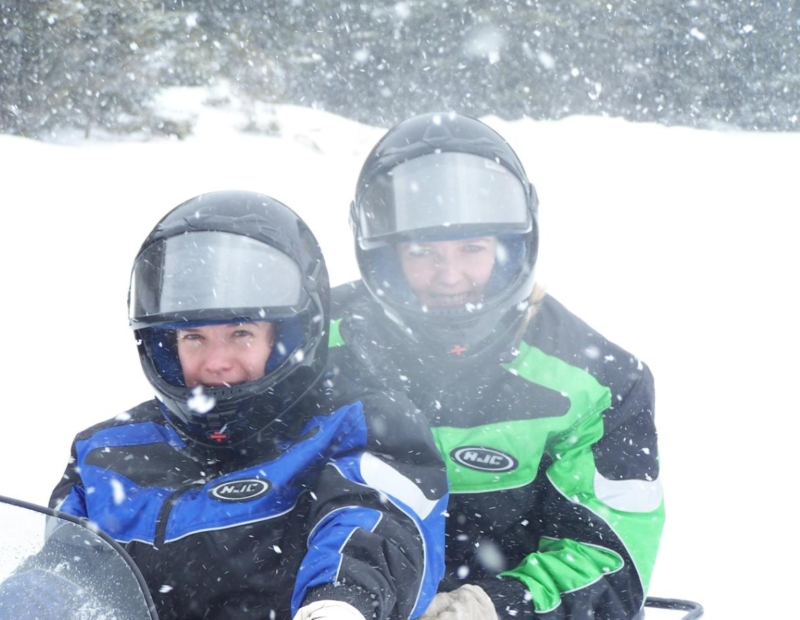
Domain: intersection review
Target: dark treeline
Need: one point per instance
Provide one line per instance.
(701, 63)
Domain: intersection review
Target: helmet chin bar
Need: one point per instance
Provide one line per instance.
(484, 339)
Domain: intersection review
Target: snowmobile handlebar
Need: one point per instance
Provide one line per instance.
(693, 610)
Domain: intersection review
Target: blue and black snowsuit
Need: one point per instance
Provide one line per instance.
(340, 502)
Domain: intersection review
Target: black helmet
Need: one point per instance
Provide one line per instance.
(442, 177)
(230, 257)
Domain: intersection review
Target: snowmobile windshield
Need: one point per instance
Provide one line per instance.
(442, 194)
(202, 274)
(52, 566)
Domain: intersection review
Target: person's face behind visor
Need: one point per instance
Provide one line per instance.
(224, 355)
(448, 273)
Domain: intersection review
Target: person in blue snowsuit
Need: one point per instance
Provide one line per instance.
(254, 485)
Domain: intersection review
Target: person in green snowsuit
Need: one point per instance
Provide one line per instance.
(546, 427)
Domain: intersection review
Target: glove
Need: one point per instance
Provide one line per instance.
(466, 603)
(328, 610)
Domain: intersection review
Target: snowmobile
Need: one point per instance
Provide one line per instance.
(54, 566)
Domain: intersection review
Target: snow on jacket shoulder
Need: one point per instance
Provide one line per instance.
(347, 504)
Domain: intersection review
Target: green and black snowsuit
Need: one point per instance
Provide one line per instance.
(556, 507)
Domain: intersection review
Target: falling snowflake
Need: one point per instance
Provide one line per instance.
(200, 402)
(402, 10)
(697, 34)
(592, 352)
(546, 60)
(491, 557)
(117, 491)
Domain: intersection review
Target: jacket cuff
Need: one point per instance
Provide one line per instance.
(511, 598)
(359, 598)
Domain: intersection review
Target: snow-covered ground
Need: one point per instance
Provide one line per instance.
(678, 244)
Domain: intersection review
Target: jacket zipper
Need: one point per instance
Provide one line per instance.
(164, 512)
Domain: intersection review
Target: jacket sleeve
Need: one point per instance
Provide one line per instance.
(69, 494)
(376, 536)
(600, 517)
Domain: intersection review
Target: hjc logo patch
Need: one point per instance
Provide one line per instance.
(240, 490)
(484, 459)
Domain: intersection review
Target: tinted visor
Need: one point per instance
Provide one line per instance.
(442, 275)
(213, 275)
(457, 192)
